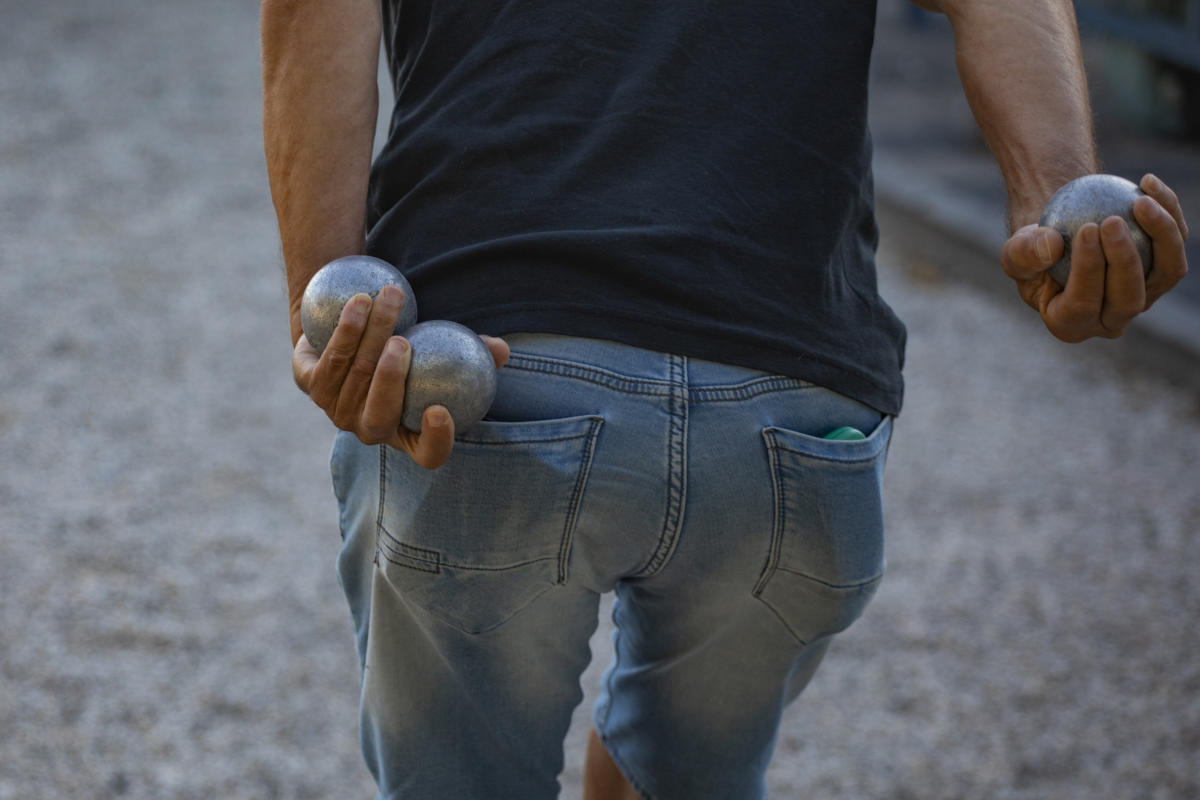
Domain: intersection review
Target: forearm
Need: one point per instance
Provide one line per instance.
(319, 66)
(1022, 71)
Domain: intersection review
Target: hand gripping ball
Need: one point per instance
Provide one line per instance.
(1093, 198)
(336, 282)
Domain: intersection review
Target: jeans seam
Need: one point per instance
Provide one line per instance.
(812, 579)
(827, 459)
(749, 389)
(778, 516)
(464, 567)
(581, 478)
(676, 469)
(382, 493)
(610, 675)
(517, 442)
(405, 555)
(609, 380)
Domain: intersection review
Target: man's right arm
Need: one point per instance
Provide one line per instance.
(320, 59)
(319, 64)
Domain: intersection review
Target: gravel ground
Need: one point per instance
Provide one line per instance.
(170, 624)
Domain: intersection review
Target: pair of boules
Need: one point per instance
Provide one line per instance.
(450, 366)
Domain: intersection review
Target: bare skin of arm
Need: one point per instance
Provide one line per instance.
(320, 101)
(1022, 70)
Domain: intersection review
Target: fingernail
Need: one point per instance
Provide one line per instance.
(391, 294)
(397, 347)
(1043, 248)
(438, 418)
(358, 307)
(1154, 182)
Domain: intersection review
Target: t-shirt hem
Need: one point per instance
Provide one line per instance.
(666, 335)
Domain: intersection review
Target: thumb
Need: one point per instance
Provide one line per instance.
(498, 348)
(431, 448)
(1031, 251)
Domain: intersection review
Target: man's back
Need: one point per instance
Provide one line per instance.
(690, 176)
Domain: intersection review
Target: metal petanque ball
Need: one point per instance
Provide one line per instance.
(452, 367)
(339, 280)
(1093, 198)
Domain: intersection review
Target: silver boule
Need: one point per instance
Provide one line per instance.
(339, 280)
(1093, 198)
(452, 367)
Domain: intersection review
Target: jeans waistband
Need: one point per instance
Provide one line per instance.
(646, 371)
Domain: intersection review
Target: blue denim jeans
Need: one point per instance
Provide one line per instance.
(736, 538)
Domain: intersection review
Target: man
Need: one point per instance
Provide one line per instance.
(665, 208)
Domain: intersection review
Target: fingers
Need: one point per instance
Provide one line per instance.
(361, 372)
(1073, 314)
(1106, 288)
(1124, 279)
(359, 379)
(383, 405)
(325, 382)
(380, 423)
(1155, 188)
(1168, 231)
(1031, 251)
(498, 348)
(432, 447)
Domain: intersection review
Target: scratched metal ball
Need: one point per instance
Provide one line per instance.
(1093, 198)
(339, 280)
(452, 367)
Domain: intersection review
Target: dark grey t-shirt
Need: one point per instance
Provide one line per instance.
(682, 175)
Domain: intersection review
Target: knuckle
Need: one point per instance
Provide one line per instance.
(1178, 273)
(1068, 335)
(329, 412)
(1114, 332)
(321, 393)
(1117, 321)
(343, 419)
(383, 319)
(1018, 267)
(366, 437)
(362, 367)
(1162, 224)
(336, 360)
(373, 425)
(1076, 312)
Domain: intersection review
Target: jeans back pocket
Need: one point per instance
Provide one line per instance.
(827, 545)
(475, 541)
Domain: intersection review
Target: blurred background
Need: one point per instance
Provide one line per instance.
(170, 623)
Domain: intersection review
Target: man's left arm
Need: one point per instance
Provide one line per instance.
(1021, 67)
